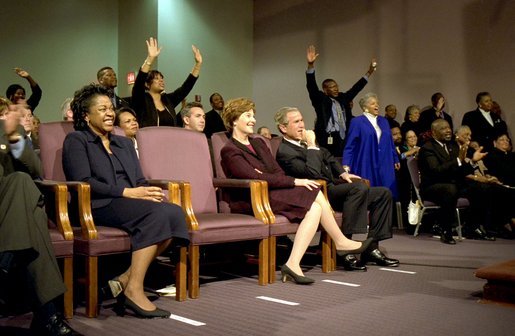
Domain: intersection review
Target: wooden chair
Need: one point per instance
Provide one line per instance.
(170, 153)
(61, 234)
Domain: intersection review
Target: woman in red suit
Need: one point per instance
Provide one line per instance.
(299, 200)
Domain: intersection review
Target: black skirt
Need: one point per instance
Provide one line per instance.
(147, 222)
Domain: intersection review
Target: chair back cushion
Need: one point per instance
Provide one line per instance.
(174, 153)
(51, 138)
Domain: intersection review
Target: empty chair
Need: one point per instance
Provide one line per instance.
(179, 154)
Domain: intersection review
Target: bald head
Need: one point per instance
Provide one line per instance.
(441, 130)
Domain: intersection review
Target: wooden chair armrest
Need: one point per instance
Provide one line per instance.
(59, 191)
(173, 187)
(256, 194)
(83, 189)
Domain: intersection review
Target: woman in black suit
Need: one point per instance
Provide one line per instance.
(120, 196)
(299, 200)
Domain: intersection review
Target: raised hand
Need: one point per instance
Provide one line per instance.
(152, 48)
(311, 54)
(196, 54)
(478, 155)
(372, 67)
(22, 73)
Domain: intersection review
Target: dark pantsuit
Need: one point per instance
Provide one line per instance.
(24, 231)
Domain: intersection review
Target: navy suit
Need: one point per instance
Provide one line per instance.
(353, 199)
(85, 159)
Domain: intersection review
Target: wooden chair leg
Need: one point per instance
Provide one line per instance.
(180, 276)
(326, 252)
(263, 262)
(333, 256)
(68, 281)
(91, 286)
(193, 271)
(272, 248)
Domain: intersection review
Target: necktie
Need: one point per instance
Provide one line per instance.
(341, 118)
(445, 147)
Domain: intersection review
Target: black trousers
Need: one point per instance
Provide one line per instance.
(355, 200)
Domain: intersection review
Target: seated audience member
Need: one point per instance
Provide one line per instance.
(66, 111)
(369, 151)
(411, 120)
(214, 122)
(27, 121)
(120, 196)
(390, 112)
(406, 190)
(107, 78)
(35, 125)
(126, 120)
(401, 175)
(299, 156)
(30, 278)
(153, 106)
(193, 117)
(502, 198)
(501, 160)
(428, 116)
(483, 124)
(16, 92)
(299, 200)
(265, 132)
(443, 172)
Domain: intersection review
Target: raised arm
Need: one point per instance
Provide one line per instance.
(36, 94)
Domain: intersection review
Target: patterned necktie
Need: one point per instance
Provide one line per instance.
(341, 118)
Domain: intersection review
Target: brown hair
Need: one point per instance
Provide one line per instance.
(234, 109)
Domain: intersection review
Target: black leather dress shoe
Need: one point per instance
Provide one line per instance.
(446, 238)
(478, 234)
(351, 263)
(54, 326)
(379, 258)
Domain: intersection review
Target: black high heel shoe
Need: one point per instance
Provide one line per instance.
(286, 273)
(364, 245)
(124, 303)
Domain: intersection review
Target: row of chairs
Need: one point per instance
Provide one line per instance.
(179, 161)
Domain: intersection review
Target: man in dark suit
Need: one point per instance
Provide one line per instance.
(333, 108)
(435, 112)
(214, 122)
(443, 169)
(484, 124)
(299, 156)
(107, 78)
(29, 275)
(390, 112)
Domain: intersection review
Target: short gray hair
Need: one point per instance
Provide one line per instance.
(280, 115)
(186, 111)
(363, 101)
